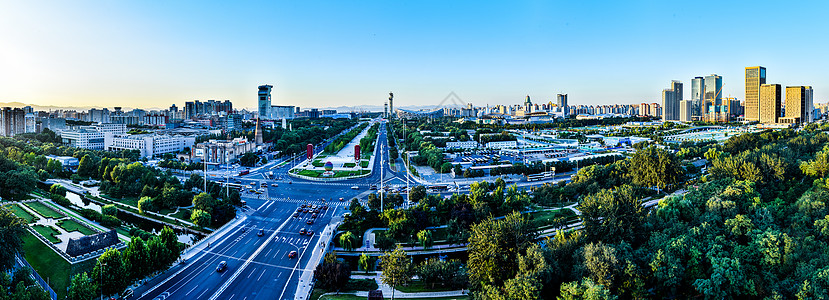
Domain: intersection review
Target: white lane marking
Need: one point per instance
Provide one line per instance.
(247, 262)
(194, 288)
(260, 276)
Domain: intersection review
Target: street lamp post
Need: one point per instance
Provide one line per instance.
(102, 280)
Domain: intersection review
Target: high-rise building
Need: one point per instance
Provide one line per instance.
(769, 103)
(697, 97)
(686, 108)
(561, 102)
(670, 101)
(265, 100)
(391, 104)
(755, 77)
(670, 107)
(189, 109)
(799, 104)
(12, 121)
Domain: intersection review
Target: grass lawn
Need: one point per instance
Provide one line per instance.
(44, 210)
(364, 164)
(71, 225)
(418, 287)
(49, 232)
(122, 230)
(317, 163)
(349, 165)
(22, 213)
(350, 173)
(50, 265)
(310, 173)
(182, 213)
(166, 211)
(548, 217)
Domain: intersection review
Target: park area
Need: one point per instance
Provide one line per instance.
(339, 159)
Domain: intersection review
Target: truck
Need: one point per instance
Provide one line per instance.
(244, 172)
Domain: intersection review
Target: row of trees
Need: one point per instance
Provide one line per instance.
(115, 270)
(337, 144)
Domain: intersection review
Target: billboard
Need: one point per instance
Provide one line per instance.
(310, 151)
(357, 152)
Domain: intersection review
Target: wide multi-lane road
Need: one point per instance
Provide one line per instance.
(258, 267)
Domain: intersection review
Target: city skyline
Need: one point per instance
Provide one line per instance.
(148, 55)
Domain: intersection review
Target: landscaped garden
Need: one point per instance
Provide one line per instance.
(44, 210)
(71, 225)
(20, 212)
(49, 232)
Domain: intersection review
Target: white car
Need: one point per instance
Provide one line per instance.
(355, 187)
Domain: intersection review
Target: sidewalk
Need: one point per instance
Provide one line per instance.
(306, 278)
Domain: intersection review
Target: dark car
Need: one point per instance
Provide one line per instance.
(309, 222)
(309, 233)
(303, 206)
(299, 210)
(296, 215)
(325, 207)
(261, 232)
(317, 210)
(305, 210)
(222, 266)
(302, 231)
(314, 216)
(292, 254)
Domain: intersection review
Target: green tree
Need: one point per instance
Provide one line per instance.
(109, 210)
(87, 166)
(613, 215)
(584, 290)
(137, 259)
(396, 268)
(433, 271)
(383, 242)
(145, 204)
(601, 263)
(170, 241)
(248, 159)
(446, 167)
(347, 240)
(494, 249)
(205, 202)
(366, 262)
(81, 288)
(201, 218)
(111, 266)
(418, 193)
(819, 166)
(332, 274)
(12, 229)
(653, 166)
(159, 254)
(57, 189)
(425, 238)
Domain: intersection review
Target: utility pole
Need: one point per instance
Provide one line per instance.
(382, 161)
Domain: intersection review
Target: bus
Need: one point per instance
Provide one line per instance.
(244, 172)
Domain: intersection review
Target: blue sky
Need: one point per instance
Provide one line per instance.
(324, 54)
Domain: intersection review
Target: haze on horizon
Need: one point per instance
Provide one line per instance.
(329, 54)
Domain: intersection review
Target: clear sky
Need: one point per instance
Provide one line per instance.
(322, 54)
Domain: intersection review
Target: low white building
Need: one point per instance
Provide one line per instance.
(462, 145)
(150, 145)
(85, 138)
(502, 145)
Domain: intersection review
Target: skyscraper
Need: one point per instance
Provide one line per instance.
(697, 94)
(769, 103)
(799, 103)
(670, 101)
(561, 102)
(391, 104)
(712, 97)
(685, 109)
(755, 77)
(265, 100)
